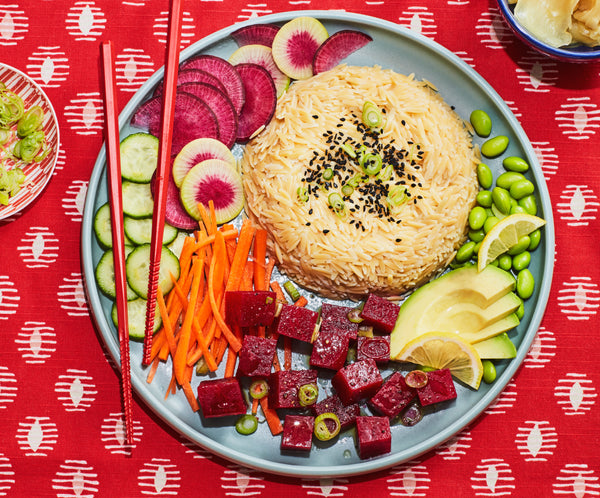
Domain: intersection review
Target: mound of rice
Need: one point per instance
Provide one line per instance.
(398, 227)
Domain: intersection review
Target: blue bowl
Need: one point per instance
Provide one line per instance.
(570, 53)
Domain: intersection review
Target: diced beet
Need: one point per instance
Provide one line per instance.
(250, 308)
(380, 313)
(359, 380)
(261, 100)
(297, 432)
(335, 318)
(337, 47)
(193, 119)
(377, 348)
(393, 396)
(374, 436)
(439, 387)
(284, 385)
(256, 356)
(330, 350)
(221, 397)
(333, 404)
(297, 322)
(220, 104)
(193, 76)
(255, 34)
(223, 70)
(175, 213)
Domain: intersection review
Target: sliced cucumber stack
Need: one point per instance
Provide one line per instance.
(137, 268)
(136, 316)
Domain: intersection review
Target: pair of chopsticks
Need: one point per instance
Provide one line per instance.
(160, 200)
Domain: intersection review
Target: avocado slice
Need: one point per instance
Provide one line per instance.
(499, 347)
(504, 325)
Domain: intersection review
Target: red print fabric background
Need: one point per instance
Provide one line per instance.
(59, 391)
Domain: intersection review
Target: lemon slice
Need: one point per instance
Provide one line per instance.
(505, 234)
(445, 350)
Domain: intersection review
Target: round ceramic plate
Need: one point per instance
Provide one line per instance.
(37, 174)
(406, 52)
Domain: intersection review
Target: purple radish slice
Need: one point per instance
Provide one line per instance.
(261, 100)
(214, 180)
(295, 45)
(337, 47)
(193, 76)
(263, 56)
(227, 117)
(197, 151)
(193, 119)
(255, 34)
(224, 71)
(175, 214)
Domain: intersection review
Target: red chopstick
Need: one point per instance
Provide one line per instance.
(118, 235)
(162, 171)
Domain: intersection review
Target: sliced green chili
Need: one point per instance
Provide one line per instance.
(308, 394)
(259, 389)
(322, 423)
(246, 424)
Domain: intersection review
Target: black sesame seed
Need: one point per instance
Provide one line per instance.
(325, 231)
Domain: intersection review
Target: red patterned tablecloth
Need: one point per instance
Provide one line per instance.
(59, 394)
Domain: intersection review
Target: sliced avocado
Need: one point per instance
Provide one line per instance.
(498, 347)
(505, 324)
(463, 285)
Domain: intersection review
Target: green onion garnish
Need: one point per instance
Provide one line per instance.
(397, 196)
(302, 194)
(347, 190)
(337, 203)
(348, 149)
(328, 174)
(291, 289)
(371, 164)
(371, 115)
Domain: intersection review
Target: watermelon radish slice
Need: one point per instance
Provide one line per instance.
(193, 76)
(263, 56)
(255, 34)
(261, 100)
(219, 103)
(214, 180)
(224, 71)
(175, 214)
(295, 45)
(193, 119)
(197, 151)
(337, 47)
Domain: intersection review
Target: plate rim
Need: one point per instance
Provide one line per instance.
(385, 461)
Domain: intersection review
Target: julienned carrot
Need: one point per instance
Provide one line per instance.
(301, 301)
(191, 397)
(269, 267)
(279, 294)
(232, 356)
(260, 258)
(166, 320)
(273, 420)
(241, 255)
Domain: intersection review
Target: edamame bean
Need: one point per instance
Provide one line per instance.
(482, 123)
(522, 188)
(516, 209)
(505, 180)
(476, 249)
(514, 163)
(520, 311)
(494, 146)
(465, 252)
(535, 238)
(489, 223)
(484, 198)
(477, 235)
(477, 217)
(521, 261)
(501, 199)
(529, 204)
(525, 284)
(489, 371)
(520, 246)
(505, 262)
(484, 175)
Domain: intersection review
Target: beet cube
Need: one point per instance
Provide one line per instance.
(393, 396)
(374, 436)
(330, 350)
(380, 313)
(357, 381)
(333, 404)
(256, 356)
(284, 385)
(250, 308)
(439, 387)
(297, 322)
(297, 432)
(334, 318)
(221, 397)
(376, 348)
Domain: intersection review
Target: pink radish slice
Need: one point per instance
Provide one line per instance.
(222, 107)
(197, 151)
(263, 56)
(261, 100)
(337, 47)
(224, 71)
(193, 76)
(175, 214)
(261, 34)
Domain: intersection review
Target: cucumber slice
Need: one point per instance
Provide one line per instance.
(177, 245)
(136, 317)
(139, 156)
(103, 228)
(137, 199)
(105, 275)
(139, 231)
(138, 269)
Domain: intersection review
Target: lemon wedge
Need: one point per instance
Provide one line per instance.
(445, 350)
(505, 234)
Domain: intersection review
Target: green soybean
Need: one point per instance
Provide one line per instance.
(516, 209)
(505, 262)
(482, 123)
(477, 235)
(525, 284)
(535, 237)
(494, 146)
(501, 199)
(521, 261)
(465, 252)
(489, 223)
(520, 311)
(520, 246)
(529, 204)
(489, 371)
(484, 175)
(505, 180)
(521, 189)
(477, 217)
(484, 198)
(515, 163)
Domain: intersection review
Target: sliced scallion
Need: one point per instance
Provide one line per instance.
(372, 115)
(291, 289)
(347, 189)
(302, 193)
(327, 174)
(371, 164)
(337, 203)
